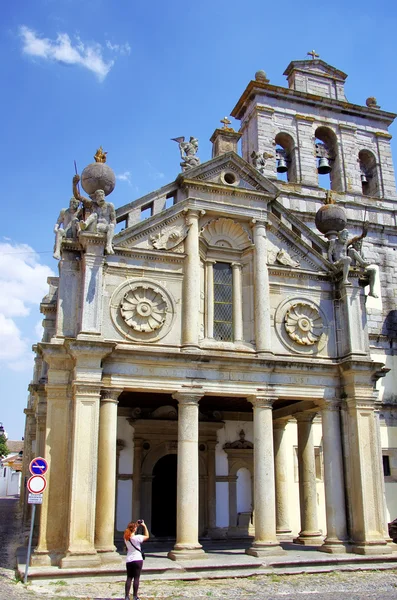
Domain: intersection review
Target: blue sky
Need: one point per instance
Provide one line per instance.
(131, 75)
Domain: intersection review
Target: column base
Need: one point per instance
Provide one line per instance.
(370, 548)
(284, 535)
(259, 549)
(190, 348)
(71, 561)
(109, 557)
(312, 538)
(41, 559)
(187, 552)
(335, 547)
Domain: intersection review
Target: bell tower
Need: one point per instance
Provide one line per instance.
(309, 129)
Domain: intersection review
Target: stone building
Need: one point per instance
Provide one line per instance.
(218, 371)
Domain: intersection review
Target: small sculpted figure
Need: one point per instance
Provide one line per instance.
(100, 155)
(103, 215)
(258, 161)
(67, 225)
(188, 152)
(343, 252)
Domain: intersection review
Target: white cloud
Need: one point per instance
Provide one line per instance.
(123, 49)
(64, 51)
(153, 172)
(23, 283)
(126, 176)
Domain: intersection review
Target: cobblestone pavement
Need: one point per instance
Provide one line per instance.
(374, 585)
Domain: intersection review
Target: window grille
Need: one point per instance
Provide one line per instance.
(223, 302)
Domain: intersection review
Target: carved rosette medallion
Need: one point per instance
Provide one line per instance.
(304, 324)
(144, 308)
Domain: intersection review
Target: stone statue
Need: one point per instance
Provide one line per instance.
(100, 155)
(259, 160)
(342, 252)
(103, 216)
(188, 152)
(67, 225)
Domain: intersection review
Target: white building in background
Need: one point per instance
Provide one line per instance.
(11, 470)
(219, 375)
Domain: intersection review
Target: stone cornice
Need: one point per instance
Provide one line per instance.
(258, 88)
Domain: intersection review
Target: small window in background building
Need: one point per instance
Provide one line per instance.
(386, 465)
(146, 211)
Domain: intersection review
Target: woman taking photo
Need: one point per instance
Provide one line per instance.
(134, 559)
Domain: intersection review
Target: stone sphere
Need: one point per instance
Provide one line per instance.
(330, 217)
(98, 176)
(261, 76)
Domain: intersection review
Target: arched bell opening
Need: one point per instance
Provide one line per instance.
(328, 160)
(369, 174)
(286, 157)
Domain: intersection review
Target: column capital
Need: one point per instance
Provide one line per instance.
(188, 397)
(305, 417)
(333, 404)
(210, 261)
(261, 401)
(262, 222)
(237, 265)
(110, 395)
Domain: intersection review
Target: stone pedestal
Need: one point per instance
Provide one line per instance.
(187, 546)
(81, 551)
(54, 514)
(335, 505)
(93, 260)
(309, 534)
(363, 472)
(106, 478)
(266, 541)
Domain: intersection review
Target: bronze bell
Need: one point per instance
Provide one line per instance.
(323, 166)
(282, 165)
(363, 177)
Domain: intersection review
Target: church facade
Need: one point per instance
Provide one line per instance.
(228, 370)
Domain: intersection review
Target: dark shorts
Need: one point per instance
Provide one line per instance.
(134, 568)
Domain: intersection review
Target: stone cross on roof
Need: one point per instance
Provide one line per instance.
(313, 54)
(226, 122)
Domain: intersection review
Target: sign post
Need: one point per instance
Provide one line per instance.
(36, 486)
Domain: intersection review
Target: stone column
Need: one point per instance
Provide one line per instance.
(364, 475)
(187, 545)
(106, 477)
(136, 480)
(261, 290)
(191, 284)
(237, 303)
(209, 298)
(83, 463)
(54, 517)
(266, 541)
(92, 266)
(283, 528)
(335, 504)
(309, 534)
(232, 480)
(211, 486)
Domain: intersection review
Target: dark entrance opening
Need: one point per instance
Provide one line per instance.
(164, 497)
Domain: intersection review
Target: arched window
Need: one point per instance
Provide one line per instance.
(286, 157)
(328, 162)
(369, 174)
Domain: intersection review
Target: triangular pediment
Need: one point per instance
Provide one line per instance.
(315, 67)
(230, 171)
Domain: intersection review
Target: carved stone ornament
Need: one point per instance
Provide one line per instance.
(144, 308)
(225, 233)
(169, 237)
(241, 444)
(304, 324)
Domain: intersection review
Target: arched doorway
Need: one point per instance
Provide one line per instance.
(164, 496)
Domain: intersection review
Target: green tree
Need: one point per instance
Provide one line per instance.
(4, 451)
